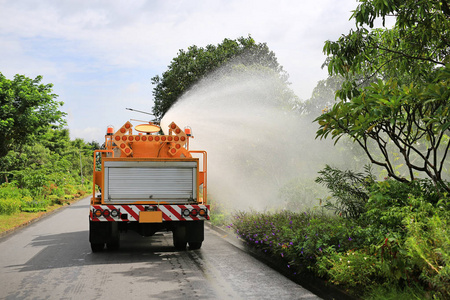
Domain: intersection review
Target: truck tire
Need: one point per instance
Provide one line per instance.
(97, 247)
(113, 246)
(195, 245)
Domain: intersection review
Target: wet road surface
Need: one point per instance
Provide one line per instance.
(52, 259)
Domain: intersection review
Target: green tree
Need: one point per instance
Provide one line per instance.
(28, 108)
(396, 88)
(323, 96)
(53, 157)
(194, 64)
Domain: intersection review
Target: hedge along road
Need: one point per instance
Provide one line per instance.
(52, 259)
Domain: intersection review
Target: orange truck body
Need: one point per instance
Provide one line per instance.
(148, 182)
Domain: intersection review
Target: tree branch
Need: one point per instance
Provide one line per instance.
(411, 56)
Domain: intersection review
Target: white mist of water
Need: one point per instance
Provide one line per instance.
(254, 146)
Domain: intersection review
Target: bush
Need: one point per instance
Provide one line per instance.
(351, 268)
(428, 246)
(70, 189)
(11, 191)
(59, 192)
(391, 202)
(10, 198)
(54, 199)
(296, 238)
(9, 206)
(31, 205)
(220, 214)
(349, 190)
(34, 181)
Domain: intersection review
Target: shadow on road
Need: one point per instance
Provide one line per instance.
(73, 249)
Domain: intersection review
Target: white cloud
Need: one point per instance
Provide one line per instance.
(89, 134)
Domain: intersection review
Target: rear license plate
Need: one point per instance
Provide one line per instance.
(150, 217)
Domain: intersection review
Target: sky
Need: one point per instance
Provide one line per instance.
(100, 55)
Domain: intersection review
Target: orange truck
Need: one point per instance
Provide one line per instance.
(148, 182)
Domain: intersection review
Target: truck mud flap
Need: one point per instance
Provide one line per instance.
(99, 232)
(195, 231)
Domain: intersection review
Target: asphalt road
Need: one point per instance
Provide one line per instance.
(52, 259)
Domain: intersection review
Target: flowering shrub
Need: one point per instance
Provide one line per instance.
(296, 238)
(399, 241)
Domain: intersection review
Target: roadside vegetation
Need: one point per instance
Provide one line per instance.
(40, 167)
(393, 237)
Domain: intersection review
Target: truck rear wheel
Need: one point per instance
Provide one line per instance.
(195, 245)
(97, 247)
(180, 245)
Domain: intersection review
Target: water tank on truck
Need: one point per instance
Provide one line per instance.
(148, 182)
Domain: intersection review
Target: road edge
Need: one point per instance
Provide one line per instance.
(308, 281)
(9, 232)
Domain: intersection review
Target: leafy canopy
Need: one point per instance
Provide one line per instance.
(28, 108)
(196, 63)
(395, 98)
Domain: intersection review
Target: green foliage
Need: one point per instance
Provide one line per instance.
(220, 215)
(390, 292)
(196, 63)
(323, 96)
(411, 120)
(418, 42)
(12, 191)
(28, 108)
(40, 176)
(30, 205)
(399, 241)
(428, 245)
(297, 238)
(348, 189)
(394, 103)
(9, 206)
(59, 161)
(391, 202)
(351, 268)
(39, 163)
(396, 87)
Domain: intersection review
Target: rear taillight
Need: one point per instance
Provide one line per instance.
(194, 212)
(98, 213)
(114, 213)
(106, 213)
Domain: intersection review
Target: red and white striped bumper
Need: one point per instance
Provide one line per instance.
(128, 213)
